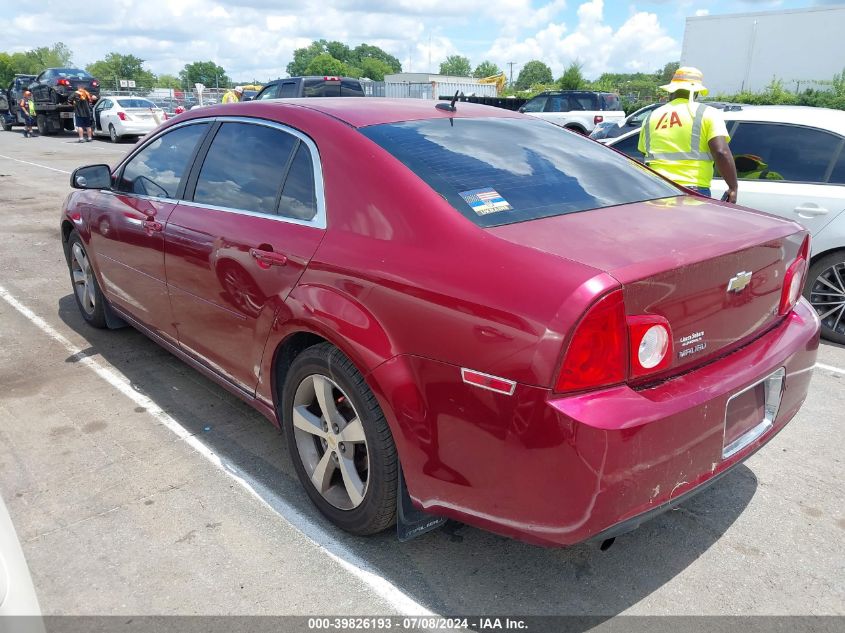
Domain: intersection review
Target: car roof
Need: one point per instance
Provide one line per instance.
(366, 111)
(822, 118)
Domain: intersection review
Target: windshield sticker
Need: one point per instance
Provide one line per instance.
(486, 200)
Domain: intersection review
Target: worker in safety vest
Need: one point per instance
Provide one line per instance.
(234, 95)
(682, 139)
(27, 105)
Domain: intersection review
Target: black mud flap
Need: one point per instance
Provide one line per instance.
(411, 522)
(113, 322)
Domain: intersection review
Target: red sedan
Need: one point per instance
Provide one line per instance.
(496, 319)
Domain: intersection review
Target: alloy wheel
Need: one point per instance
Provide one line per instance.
(83, 279)
(331, 442)
(828, 297)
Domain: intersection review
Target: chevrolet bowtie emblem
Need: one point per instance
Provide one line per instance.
(736, 284)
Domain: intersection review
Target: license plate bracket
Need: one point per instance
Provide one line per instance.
(65, 115)
(751, 412)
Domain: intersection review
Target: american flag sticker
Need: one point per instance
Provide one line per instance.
(486, 200)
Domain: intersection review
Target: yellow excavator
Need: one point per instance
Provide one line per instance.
(496, 80)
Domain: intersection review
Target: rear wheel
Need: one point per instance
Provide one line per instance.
(7, 127)
(825, 290)
(339, 441)
(43, 124)
(86, 290)
(113, 135)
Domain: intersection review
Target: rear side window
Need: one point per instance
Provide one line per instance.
(244, 168)
(298, 199)
(838, 174)
(500, 171)
(790, 152)
(287, 89)
(158, 169)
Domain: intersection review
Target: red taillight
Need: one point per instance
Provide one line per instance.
(95, 83)
(63, 82)
(597, 355)
(650, 344)
(121, 116)
(793, 280)
(598, 119)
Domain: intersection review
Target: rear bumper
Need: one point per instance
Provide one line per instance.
(560, 470)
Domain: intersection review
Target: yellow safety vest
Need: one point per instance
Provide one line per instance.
(672, 144)
(230, 97)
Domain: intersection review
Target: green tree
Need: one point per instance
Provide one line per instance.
(534, 72)
(375, 69)
(456, 65)
(169, 81)
(35, 60)
(486, 69)
(665, 76)
(7, 70)
(207, 73)
(325, 64)
(572, 78)
(116, 66)
(365, 51)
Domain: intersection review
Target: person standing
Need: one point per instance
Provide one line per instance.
(81, 102)
(683, 139)
(234, 95)
(27, 105)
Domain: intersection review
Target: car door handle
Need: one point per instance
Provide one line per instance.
(153, 225)
(268, 258)
(805, 210)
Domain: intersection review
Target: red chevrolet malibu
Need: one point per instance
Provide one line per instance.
(471, 313)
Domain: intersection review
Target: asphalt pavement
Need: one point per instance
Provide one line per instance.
(139, 487)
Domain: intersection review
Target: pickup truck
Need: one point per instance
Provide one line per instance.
(576, 110)
(292, 87)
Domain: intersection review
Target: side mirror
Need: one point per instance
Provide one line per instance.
(247, 99)
(522, 109)
(91, 177)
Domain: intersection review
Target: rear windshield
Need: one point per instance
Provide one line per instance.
(135, 103)
(501, 171)
(71, 73)
(610, 102)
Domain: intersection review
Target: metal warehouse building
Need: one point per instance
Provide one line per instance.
(747, 51)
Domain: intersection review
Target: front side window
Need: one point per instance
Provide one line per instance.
(244, 168)
(498, 171)
(158, 169)
(269, 92)
(774, 151)
(535, 105)
(556, 103)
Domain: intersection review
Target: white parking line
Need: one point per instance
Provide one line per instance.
(323, 539)
(26, 162)
(837, 370)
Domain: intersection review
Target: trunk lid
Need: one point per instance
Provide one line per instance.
(676, 258)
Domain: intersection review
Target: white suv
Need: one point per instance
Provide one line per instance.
(791, 163)
(576, 110)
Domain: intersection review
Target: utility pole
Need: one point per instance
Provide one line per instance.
(511, 65)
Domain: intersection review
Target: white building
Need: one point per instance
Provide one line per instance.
(432, 86)
(746, 51)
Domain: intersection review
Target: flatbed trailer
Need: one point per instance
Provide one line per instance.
(50, 118)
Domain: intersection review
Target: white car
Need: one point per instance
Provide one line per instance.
(17, 595)
(117, 117)
(791, 163)
(576, 110)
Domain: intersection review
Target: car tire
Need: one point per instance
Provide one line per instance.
(358, 479)
(86, 290)
(825, 290)
(7, 127)
(42, 124)
(113, 135)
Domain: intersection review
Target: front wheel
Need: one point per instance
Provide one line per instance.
(339, 441)
(825, 290)
(86, 290)
(113, 135)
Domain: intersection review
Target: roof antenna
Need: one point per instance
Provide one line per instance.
(451, 107)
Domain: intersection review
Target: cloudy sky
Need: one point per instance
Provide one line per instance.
(255, 38)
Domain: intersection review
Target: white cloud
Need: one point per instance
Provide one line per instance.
(639, 44)
(702, 12)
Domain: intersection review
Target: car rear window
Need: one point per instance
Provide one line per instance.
(321, 88)
(135, 103)
(610, 102)
(501, 171)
